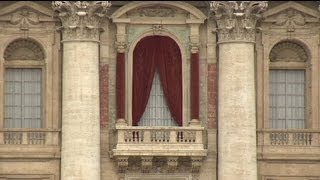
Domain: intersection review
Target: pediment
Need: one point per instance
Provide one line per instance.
(166, 10)
(25, 11)
(291, 13)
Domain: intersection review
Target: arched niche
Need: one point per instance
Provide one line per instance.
(24, 49)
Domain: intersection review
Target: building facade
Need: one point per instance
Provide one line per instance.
(159, 90)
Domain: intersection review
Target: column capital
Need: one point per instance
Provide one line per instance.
(121, 46)
(194, 48)
(236, 20)
(81, 19)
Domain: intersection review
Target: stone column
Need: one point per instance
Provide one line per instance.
(236, 23)
(80, 151)
(194, 79)
(121, 73)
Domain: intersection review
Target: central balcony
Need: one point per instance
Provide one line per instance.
(168, 142)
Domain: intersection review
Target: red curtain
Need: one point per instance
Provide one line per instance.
(162, 54)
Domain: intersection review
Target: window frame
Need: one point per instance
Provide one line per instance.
(287, 65)
(27, 64)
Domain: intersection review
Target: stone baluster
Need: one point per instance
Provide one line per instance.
(80, 152)
(236, 23)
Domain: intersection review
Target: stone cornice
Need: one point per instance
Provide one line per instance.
(236, 21)
(81, 19)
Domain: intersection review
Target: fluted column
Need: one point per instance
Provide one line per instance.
(236, 23)
(80, 151)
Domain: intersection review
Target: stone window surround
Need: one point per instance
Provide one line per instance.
(39, 64)
(122, 23)
(288, 65)
(43, 65)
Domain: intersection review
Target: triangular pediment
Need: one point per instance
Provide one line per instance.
(26, 10)
(291, 10)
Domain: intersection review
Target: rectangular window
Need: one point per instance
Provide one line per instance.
(287, 99)
(23, 98)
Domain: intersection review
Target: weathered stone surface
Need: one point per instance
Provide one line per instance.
(237, 116)
(80, 151)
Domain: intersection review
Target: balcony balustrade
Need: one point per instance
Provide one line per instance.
(29, 143)
(288, 144)
(167, 142)
(159, 141)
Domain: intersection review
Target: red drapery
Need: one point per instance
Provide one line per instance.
(162, 54)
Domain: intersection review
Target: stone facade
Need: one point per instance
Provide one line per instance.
(226, 134)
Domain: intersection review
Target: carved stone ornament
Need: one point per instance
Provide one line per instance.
(81, 19)
(157, 29)
(24, 49)
(289, 52)
(146, 164)
(196, 163)
(290, 18)
(172, 164)
(121, 48)
(157, 12)
(122, 164)
(236, 20)
(24, 17)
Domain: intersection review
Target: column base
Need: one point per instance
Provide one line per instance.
(121, 122)
(194, 122)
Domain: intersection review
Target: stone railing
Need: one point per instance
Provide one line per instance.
(300, 137)
(288, 144)
(29, 137)
(159, 141)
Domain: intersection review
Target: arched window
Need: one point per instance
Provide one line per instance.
(157, 82)
(287, 83)
(24, 61)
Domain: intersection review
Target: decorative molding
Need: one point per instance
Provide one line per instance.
(121, 47)
(24, 17)
(122, 11)
(311, 15)
(288, 51)
(236, 21)
(24, 49)
(172, 164)
(194, 42)
(194, 48)
(26, 4)
(146, 164)
(290, 18)
(81, 20)
(196, 163)
(158, 11)
(122, 163)
(157, 29)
